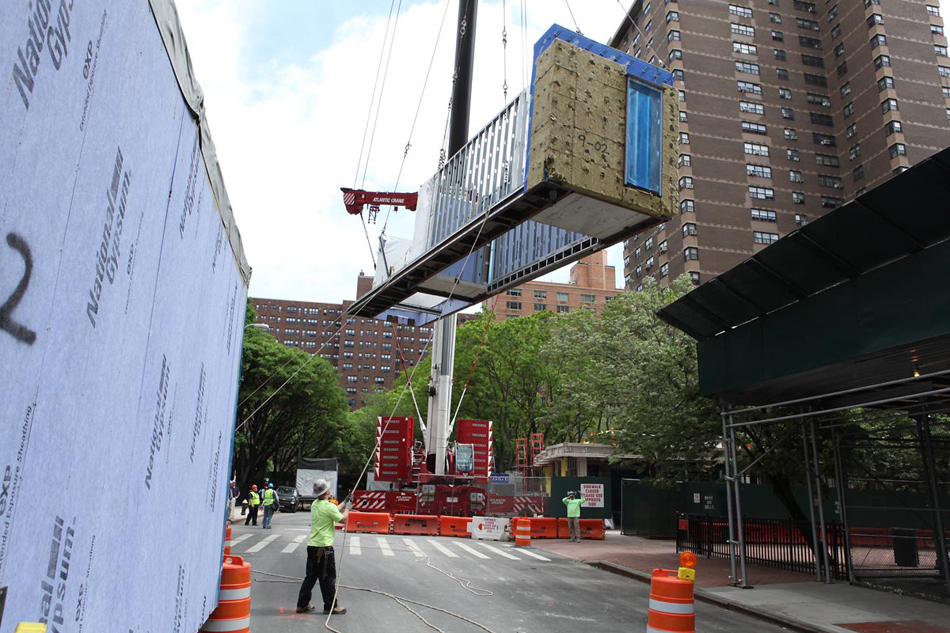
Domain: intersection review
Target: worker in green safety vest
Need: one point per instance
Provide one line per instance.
(253, 501)
(270, 506)
(573, 502)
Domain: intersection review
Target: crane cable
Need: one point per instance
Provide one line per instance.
(569, 10)
(478, 350)
(650, 46)
(402, 359)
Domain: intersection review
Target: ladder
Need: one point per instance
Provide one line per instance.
(521, 454)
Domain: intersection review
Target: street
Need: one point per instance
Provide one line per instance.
(503, 589)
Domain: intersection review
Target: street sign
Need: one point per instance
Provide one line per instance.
(594, 494)
(488, 528)
(501, 478)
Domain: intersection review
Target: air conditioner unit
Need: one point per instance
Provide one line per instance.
(826, 142)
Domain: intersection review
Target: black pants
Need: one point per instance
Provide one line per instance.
(322, 568)
(251, 515)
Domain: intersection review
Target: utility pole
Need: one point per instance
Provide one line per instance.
(443, 336)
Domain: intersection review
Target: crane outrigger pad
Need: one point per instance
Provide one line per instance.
(584, 161)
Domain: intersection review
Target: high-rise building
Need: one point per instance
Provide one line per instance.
(592, 284)
(788, 108)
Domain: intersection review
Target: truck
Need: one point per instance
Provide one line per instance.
(309, 470)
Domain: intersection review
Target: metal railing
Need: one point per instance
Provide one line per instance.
(487, 170)
(776, 543)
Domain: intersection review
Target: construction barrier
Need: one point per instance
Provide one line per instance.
(368, 522)
(543, 527)
(522, 531)
(590, 529)
(671, 603)
(416, 524)
(455, 526)
(227, 540)
(233, 614)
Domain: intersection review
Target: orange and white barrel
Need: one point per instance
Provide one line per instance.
(233, 614)
(227, 540)
(671, 604)
(523, 532)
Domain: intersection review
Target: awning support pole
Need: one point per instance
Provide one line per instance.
(726, 459)
(841, 484)
(821, 506)
(930, 472)
(735, 484)
(811, 502)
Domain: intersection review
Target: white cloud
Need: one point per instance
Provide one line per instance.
(290, 137)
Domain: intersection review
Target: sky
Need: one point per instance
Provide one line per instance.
(289, 91)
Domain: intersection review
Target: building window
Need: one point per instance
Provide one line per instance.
(781, 73)
(514, 293)
(778, 36)
(854, 151)
(759, 171)
(678, 74)
(648, 244)
(689, 228)
(589, 298)
(831, 203)
(636, 253)
(675, 54)
(540, 307)
(800, 219)
(809, 42)
(540, 294)
(756, 149)
(885, 83)
(690, 253)
(791, 134)
(563, 309)
(780, 55)
(941, 51)
(851, 130)
(832, 13)
(744, 49)
(751, 108)
(836, 31)
(686, 182)
(513, 305)
(946, 92)
(889, 105)
(753, 128)
(764, 215)
(788, 113)
(936, 29)
(685, 160)
(839, 50)
(878, 40)
(687, 206)
(742, 29)
(795, 176)
(747, 67)
(745, 86)
(664, 270)
(808, 7)
(562, 296)
(672, 16)
(792, 155)
(933, 10)
(875, 19)
(684, 116)
(817, 99)
(858, 173)
(829, 181)
(808, 25)
(893, 127)
(845, 90)
(761, 193)
(694, 275)
(882, 61)
(784, 93)
(897, 149)
(811, 60)
(798, 197)
(944, 71)
(684, 138)
(849, 109)
(761, 237)
(816, 80)
(843, 69)
(826, 161)
(775, 18)
(824, 139)
(673, 36)
(742, 12)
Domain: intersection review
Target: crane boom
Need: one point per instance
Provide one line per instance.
(355, 199)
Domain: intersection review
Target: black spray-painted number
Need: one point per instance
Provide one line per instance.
(7, 324)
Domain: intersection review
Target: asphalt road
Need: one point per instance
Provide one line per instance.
(505, 590)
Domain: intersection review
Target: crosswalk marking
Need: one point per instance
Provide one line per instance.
(532, 554)
(355, 546)
(292, 546)
(442, 548)
(498, 551)
(237, 540)
(415, 548)
(384, 546)
(264, 543)
(471, 550)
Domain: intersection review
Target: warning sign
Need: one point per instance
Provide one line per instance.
(594, 494)
(488, 528)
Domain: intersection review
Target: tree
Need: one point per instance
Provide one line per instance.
(290, 406)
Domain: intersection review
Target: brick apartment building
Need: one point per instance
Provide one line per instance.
(592, 284)
(788, 108)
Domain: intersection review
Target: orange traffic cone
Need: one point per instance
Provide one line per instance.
(672, 607)
(233, 614)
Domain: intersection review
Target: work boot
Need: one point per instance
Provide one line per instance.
(309, 607)
(334, 611)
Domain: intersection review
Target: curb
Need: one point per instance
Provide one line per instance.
(719, 601)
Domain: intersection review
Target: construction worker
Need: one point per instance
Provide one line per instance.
(321, 564)
(270, 506)
(573, 502)
(253, 500)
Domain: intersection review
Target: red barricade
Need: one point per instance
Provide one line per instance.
(368, 522)
(543, 527)
(592, 529)
(416, 524)
(454, 526)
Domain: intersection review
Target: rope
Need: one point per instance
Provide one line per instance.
(576, 28)
(504, 51)
(629, 19)
(415, 118)
(405, 366)
(524, 45)
(369, 242)
(372, 100)
(471, 372)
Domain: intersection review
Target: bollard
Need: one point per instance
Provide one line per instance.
(672, 607)
(522, 532)
(233, 614)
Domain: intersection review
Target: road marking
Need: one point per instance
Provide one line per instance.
(292, 546)
(264, 543)
(528, 552)
(415, 548)
(239, 539)
(442, 548)
(498, 551)
(355, 546)
(471, 550)
(384, 546)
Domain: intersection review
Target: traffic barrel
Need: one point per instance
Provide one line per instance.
(227, 540)
(672, 608)
(233, 614)
(523, 532)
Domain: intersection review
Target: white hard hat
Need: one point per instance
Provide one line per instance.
(320, 487)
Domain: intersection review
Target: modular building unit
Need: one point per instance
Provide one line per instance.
(123, 288)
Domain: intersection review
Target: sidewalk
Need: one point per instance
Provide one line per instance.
(790, 599)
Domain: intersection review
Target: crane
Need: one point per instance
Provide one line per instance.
(355, 199)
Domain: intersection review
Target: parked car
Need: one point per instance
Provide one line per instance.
(289, 498)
